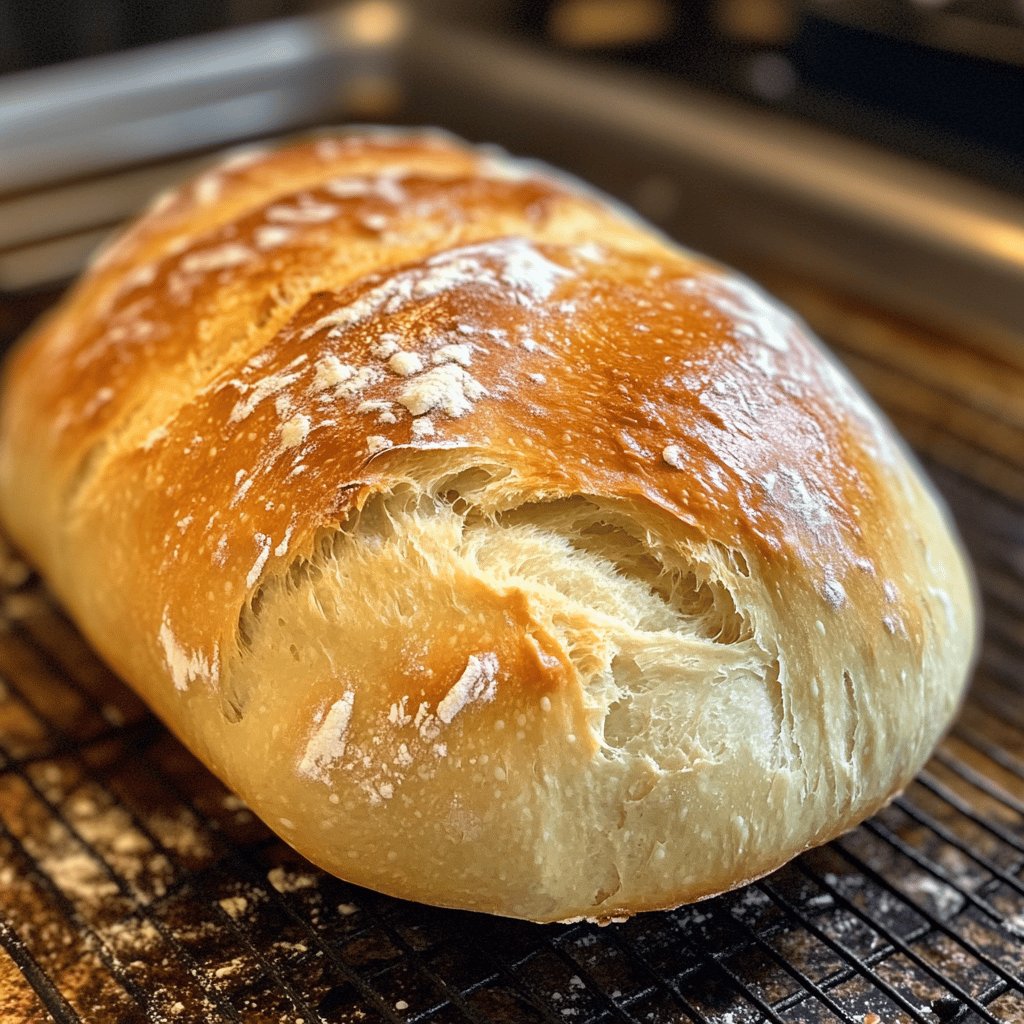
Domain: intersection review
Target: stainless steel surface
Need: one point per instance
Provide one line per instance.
(990, 29)
(47, 235)
(103, 113)
(744, 185)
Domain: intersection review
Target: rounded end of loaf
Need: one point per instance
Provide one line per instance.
(500, 554)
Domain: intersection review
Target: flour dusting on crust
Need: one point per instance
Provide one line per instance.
(206, 261)
(448, 388)
(186, 666)
(512, 265)
(477, 683)
(263, 542)
(326, 746)
(295, 431)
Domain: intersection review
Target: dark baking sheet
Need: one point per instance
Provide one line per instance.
(134, 887)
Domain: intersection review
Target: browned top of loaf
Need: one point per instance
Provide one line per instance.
(267, 345)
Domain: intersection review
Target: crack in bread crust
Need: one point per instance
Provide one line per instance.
(670, 630)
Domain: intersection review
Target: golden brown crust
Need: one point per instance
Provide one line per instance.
(294, 333)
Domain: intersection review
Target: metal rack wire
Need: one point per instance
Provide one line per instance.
(134, 887)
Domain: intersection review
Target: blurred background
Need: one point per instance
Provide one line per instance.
(936, 78)
(876, 144)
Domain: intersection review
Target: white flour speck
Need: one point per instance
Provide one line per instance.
(405, 364)
(231, 254)
(512, 266)
(270, 236)
(448, 388)
(207, 189)
(330, 372)
(243, 157)
(186, 667)
(263, 542)
(265, 388)
(282, 548)
(478, 682)
(381, 408)
(295, 431)
(810, 505)
(461, 353)
(234, 906)
(349, 188)
(378, 443)
(833, 591)
(672, 454)
(386, 345)
(155, 435)
(326, 745)
(359, 381)
(285, 881)
(307, 213)
(754, 316)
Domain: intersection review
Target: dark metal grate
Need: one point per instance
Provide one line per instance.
(134, 887)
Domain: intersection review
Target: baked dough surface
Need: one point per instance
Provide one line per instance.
(499, 553)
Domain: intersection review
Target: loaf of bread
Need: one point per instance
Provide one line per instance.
(499, 553)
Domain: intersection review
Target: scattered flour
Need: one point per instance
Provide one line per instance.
(377, 443)
(448, 388)
(295, 431)
(203, 261)
(478, 682)
(673, 455)
(185, 666)
(326, 746)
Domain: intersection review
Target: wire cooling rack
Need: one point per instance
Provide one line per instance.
(134, 887)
